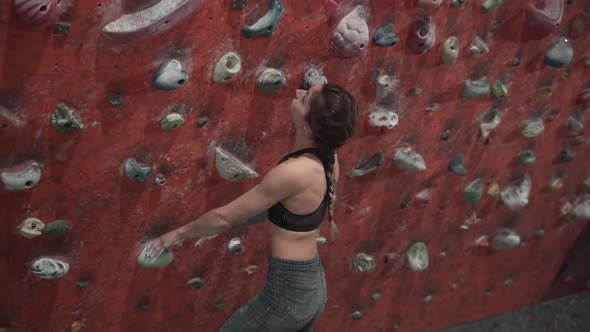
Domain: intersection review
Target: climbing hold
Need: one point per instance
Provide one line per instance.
(422, 34)
(516, 197)
(527, 157)
(474, 191)
(428, 298)
(582, 208)
(539, 234)
(165, 258)
(505, 239)
(387, 87)
(267, 24)
(370, 166)
(270, 81)
(30, 228)
(542, 17)
(332, 6)
(429, 4)
(385, 36)
(320, 239)
(235, 246)
(49, 268)
(251, 269)
(450, 51)
(478, 47)
(36, 12)
(311, 77)
(375, 295)
(61, 28)
(9, 120)
(417, 91)
(458, 3)
(499, 90)
(230, 169)
(196, 283)
(363, 262)
(533, 128)
(494, 189)
(170, 76)
(202, 121)
(136, 172)
(456, 165)
(475, 88)
(408, 160)
(65, 119)
(160, 179)
(417, 257)
(586, 185)
(151, 21)
(351, 36)
(490, 5)
(584, 98)
(227, 67)
(424, 195)
(382, 118)
(560, 54)
(24, 176)
(489, 121)
(566, 208)
(556, 183)
(357, 315)
(239, 4)
(566, 155)
(115, 100)
(58, 227)
(171, 121)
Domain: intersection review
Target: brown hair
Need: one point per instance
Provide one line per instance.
(332, 117)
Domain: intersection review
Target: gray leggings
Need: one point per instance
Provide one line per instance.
(292, 299)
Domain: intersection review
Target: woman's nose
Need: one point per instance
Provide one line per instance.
(300, 93)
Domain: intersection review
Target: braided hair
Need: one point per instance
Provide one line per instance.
(332, 117)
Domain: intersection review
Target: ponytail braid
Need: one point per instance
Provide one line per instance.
(328, 161)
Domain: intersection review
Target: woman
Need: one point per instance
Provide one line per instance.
(296, 194)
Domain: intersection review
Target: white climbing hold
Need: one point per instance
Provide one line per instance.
(23, 176)
(230, 169)
(417, 257)
(505, 239)
(235, 246)
(31, 228)
(49, 268)
(382, 118)
(227, 67)
(363, 262)
(170, 76)
(582, 208)
(351, 36)
(516, 197)
(408, 160)
(478, 47)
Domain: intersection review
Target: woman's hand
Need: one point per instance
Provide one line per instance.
(157, 246)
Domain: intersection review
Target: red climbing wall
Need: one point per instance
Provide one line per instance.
(110, 216)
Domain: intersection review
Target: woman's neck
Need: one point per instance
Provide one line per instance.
(304, 143)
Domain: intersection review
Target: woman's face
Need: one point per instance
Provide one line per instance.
(300, 106)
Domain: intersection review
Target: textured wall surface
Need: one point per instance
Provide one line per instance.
(69, 60)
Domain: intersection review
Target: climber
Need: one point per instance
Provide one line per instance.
(295, 194)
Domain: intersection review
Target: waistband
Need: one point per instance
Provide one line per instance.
(314, 264)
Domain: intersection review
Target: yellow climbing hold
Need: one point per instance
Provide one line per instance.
(251, 269)
(493, 190)
(76, 327)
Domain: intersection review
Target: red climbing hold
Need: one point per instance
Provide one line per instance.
(542, 16)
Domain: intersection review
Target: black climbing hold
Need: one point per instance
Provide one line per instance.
(61, 28)
(385, 36)
(566, 155)
(115, 100)
(196, 283)
(456, 165)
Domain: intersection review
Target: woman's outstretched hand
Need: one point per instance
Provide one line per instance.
(157, 246)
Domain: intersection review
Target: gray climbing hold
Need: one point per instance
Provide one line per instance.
(527, 157)
(505, 239)
(49, 268)
(533, 128)
(490, 5)
(408, 160)
(473, 191)
(384, 36)
(115, 100)
(270, 81)
(499, 90)
(227, 67)
(370, 166)
(231, 169)
(450, 51)
(351, 36)
(160, 179)
(196, 283)
(170, 76)
(58, 227)
(457, 3)
(475, 88)
(239, 4)
(456, 165)
(65, 119)
(136, 172)
(387, 87)
(576, 126)
(235, 246)
(429, 4)
(171, 122)
(560, 54)
(517, 196)
(165, 258)
(202, 121)
(582, 208)
(357, 315)
(478, 47)
(490, 120)
(363, 262)
(21, 177)
(417, 257)
(30, 228)
(267, 24)
(311, 77)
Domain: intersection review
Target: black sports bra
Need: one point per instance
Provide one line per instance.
(280, 216)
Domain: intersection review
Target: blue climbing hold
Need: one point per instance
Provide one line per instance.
(385, 36)
(267, 24)
(456, 165)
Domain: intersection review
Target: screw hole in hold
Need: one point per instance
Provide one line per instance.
(43, 9)
(229, 64)
(28, 184)
(362, 46)
(4, 125)
(166, 22)
(269, 28)
(181, 82)
(136, 176)
(421, 45)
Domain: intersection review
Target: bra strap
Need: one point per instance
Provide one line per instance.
(315, 151)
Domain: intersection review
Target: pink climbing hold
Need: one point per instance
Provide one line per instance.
(36, 12)
(429, 4)
(351, 36)
(542, 16)
(332, 6)
(150, 21)
(422, 34)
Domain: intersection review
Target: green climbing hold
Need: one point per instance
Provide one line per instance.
(417, 91)
(533, 128)
(164, 259)
(527, 157)
(474, 191)
(490, 5)
(57, 227)
(375, 161)
(417, 256)
(171, 122)
(475, 89)
(499, 90)
(539, 234)
(83, 284)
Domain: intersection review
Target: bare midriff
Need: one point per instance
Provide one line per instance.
(289, 245)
